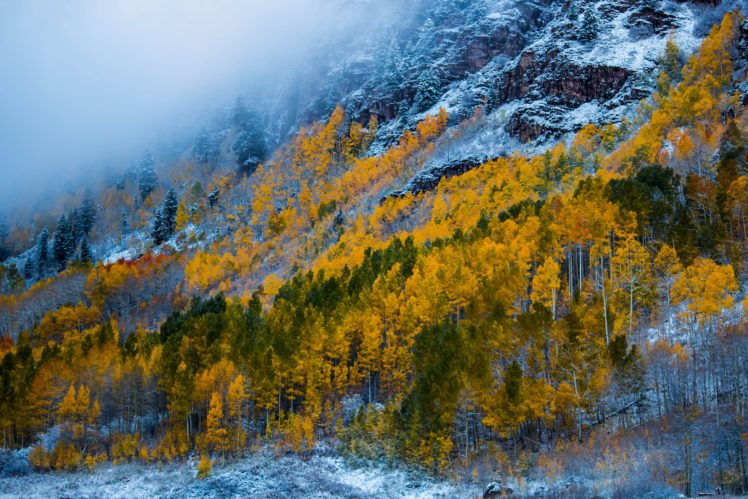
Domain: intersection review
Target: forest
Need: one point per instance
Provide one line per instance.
(580, 310)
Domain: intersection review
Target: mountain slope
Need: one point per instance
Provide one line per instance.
(575, 311)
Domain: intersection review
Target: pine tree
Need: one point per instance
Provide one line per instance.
(240, 113)
(205, 147)
(165, 218)
(158, 231)
(427, 90)
(513, 382)
(424, 47)
(590, 26)
(249, 144)
(124, 225)
(4, 250)
(63, 245)
(87, 214)
(85, 253)
(147, 178)
(339, 219)
(76, 227)
(671, 61)
(42, 252)
(170, 208)
(573, 12)
(732, 145)
(477, 11)
(402, 115)
(213, 198)
(393, 65)
(28, 269)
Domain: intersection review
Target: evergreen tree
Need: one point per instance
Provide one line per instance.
(87, 214)
(42, 252)
(240, 113)
(393, 65)
(213, 198)
(85, 253)
(165, 219)
(477, 11)
(76, 226)
(123, 222)
(590, 26)
(513, 382)
(732, 145)
(573, 12)
(427, 90)
(28, 269)
(339, 219)
(158, 232)
(249, 147)
(63, 245)
(171, 206)
(424, 47)
(670, 61)
(147, 178)
(402, 115)
(4, 250)
(205, 147)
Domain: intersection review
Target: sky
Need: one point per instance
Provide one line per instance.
(84, 83)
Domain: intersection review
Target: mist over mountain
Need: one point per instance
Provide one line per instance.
(88, 84)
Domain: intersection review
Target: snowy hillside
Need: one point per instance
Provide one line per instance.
(262, 475)
(479, 248)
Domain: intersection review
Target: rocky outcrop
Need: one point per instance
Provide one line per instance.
(428, 179)
(365, 82)
(647, 21)
(497, 489)
(470, 50)
(553, 77)
(553, 86)
(526, 60)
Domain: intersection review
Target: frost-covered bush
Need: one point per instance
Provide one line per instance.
(351, 406)
(14, 462)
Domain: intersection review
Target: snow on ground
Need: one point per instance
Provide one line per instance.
(617, 47)
(260, 475)
(674, 327)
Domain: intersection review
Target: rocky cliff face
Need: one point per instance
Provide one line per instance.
(543, 64)
(568, 70)
(539, 70)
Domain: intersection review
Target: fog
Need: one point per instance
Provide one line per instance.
(89, 83)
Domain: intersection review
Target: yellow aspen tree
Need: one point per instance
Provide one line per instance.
(182, 217)
(442, 119)
(370, 351)
(216, 436)
(707, 290)
(631, 272)
(235, 400)
(352, 144)
(204, 467)
(546, 283)
(67, 409)
(545, 286)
